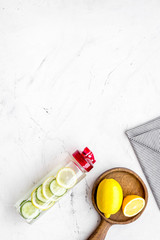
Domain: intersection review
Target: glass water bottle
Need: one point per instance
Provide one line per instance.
(55, 185)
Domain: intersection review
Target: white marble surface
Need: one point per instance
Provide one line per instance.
(74, 73)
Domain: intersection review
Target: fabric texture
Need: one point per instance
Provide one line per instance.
(145, 140)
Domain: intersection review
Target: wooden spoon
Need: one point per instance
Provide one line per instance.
(131, 184)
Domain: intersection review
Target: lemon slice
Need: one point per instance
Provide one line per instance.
(39, 194)
(132, 205)
(46, 190)
(66, 178)
(38, 204)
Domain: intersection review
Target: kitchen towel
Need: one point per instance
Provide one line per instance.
(145, 140)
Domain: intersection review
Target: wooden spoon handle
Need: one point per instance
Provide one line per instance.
(101, 231)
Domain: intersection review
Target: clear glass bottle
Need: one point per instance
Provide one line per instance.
(55, 185)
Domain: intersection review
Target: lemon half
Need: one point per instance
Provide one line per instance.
(132, 205)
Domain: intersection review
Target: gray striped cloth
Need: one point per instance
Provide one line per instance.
(145, 140)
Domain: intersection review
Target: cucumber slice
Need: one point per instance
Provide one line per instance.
(40, 195)
(22, 202)
(56, 189)
(28, 211)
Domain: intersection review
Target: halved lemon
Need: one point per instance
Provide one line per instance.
(66, 177)
(38, 204)
(132, 205)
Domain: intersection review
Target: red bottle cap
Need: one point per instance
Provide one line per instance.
(85, 159)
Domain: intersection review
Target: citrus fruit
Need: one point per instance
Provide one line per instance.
(40, 195)
(45, 188)
(66, 177)
(109, 197)
(38, 204)
(132, 205)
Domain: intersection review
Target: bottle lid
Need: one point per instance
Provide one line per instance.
(85, 159)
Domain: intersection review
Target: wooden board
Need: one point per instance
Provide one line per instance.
(131, 184)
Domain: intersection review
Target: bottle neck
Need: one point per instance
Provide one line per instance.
(87, 166)
(85, 159)
(78, 165)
